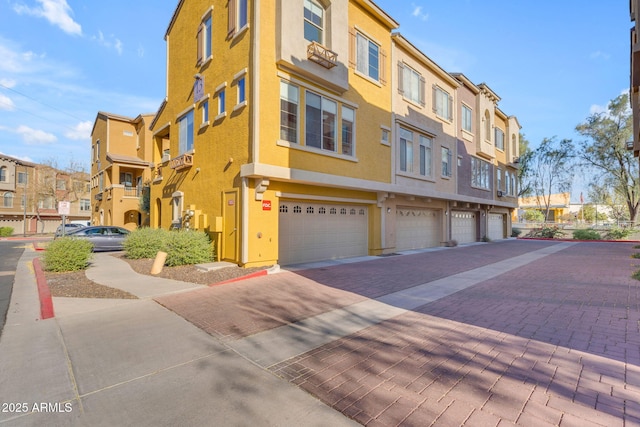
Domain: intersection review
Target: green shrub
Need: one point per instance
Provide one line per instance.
(635, 255)
(636, 275)
(6, 231)
(618, 233)
(145, 242)
(515, 232)
(587, 234)
(549, 232)
(67, 254)
(188, 247)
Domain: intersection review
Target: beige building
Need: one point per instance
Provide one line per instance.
(31, 194)
(120, 170)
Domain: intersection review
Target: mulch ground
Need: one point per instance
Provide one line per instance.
(76, 284)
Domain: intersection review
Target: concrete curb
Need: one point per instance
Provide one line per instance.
(238, 279)
(44, 294)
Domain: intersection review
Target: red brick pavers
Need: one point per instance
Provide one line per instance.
(555, 342)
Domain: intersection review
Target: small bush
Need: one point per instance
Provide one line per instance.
(618, 233)
(549, 232)
(636, 275)
(145, 242)
(67, 254)
(188, 247)
(636, 255)
(588, 234)
(6, 231)
(515, 232)
(486, 239)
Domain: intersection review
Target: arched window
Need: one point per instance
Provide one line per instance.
(8, 200)
(487, 125)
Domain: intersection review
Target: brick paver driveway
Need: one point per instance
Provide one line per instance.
(552, 341)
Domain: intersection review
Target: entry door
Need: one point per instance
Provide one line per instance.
(230, 234)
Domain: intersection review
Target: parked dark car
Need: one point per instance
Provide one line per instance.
(68, 228)
(103, 237)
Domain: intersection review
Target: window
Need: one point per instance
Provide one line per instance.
(480, 174)
(487, 126)
(406, 150)
(61, 184)
(221, 102)
(313, 21)
(384, 137)
(126, 179)
(499, 179)
(186, 133)
(442, 103)
(22, 178)
(367, 57)
(3, 174)
(242, 96)
(97, 152)
(425, 155)
(47, 203)
(205, 112)
(288, 112)
(238, 13)
(499, 139)
(510, 183)
(101, 181)
(446, 162)
(176, 208)
(514, 151)
(466, 118)
(320, 122)
(348, 122)
(411, 84)
(85, 205)
(204, 40)
(8, 200)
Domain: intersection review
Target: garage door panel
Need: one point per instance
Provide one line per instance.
(463, 226)
(319, 231)
(417, 228)
(496, 226)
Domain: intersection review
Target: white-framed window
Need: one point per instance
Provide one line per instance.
(467, 118)
(348, 130)
(487, 126)
(221, 101)
(238, 16)
(7, 200)
(510, 183)
(367, 57)
(3, 174)
(176, 208)
(446, 162)
(240, 81)
(385, 135)
(498, 179)
(313, 21)
(499, 138)
(203, 39)
(289, 96)
(85, 205)
(185, 129)
(410, 84)
(406, 150)
(425, 155)
(47, 202)
(320, 122)
(480, 174)
(442, 103)
(205, 112)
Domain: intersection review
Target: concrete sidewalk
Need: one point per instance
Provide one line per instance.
(134, 363)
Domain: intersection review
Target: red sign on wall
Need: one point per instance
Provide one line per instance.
(266, 205)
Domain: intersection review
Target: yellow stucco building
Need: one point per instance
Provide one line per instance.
(285, 133)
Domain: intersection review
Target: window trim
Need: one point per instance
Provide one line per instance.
(449, 162)
(181, 116)
(7, 196)
(404, 68)
(234, 29)
(204, 38)
(353, 59)
(436, 90)
(496, 132)
(465, 108)
(321, 27)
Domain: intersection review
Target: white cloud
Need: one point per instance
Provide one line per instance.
(81, 131)
(6, 103)
(599, 55)
(34, 136)
(7, 82)
(112, 42)
(15, 156)
(417, 12)
(57, 12)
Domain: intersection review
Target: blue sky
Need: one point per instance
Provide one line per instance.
(552, 62)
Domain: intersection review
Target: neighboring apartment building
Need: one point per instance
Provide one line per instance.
(120, 170)
(30, 194)
(326, 152)
(634, 11)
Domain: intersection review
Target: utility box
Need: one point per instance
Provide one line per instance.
(216, 225)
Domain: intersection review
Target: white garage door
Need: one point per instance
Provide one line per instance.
(463, 226)
(496, 226)
(417, 228)
(320, 231)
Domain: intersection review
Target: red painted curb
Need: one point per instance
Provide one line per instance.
(237, 279)
(577, 240)
(46, 303)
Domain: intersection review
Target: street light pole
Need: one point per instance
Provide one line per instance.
(24, 202)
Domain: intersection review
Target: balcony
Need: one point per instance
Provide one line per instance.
(181, 162)
(321, 55)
